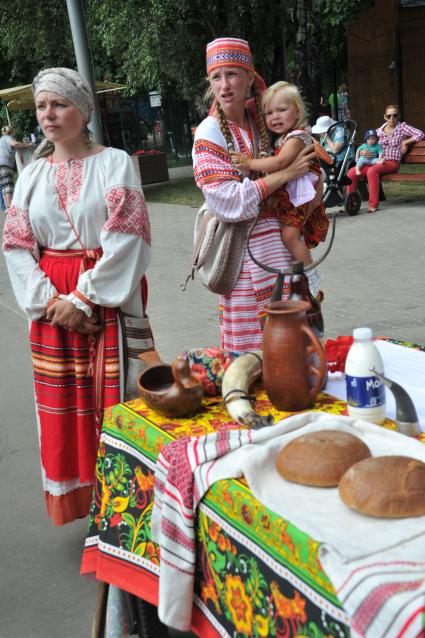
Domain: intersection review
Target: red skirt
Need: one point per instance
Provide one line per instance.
(70, 396)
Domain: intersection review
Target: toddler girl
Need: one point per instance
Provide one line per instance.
(305, 223)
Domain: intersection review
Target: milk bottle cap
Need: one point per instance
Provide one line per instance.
(362, 334)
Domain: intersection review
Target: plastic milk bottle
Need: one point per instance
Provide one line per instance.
(365, 392)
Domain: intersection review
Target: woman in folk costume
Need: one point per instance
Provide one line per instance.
(231, 126)
(77, 245)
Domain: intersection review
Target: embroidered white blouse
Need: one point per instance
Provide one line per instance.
(104, 199)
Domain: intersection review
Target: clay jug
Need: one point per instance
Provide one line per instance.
(170, 390)
(290, 378)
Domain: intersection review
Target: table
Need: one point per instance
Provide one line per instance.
(257, 574)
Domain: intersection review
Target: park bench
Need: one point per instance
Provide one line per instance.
(415, 155)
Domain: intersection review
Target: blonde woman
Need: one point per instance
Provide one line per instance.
(237, 196)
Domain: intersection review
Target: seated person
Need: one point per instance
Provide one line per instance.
(376, 154)
(336, 143)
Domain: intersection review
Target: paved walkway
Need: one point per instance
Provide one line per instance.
(373, 277)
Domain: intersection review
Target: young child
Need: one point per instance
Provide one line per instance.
(371, 144)
(305, 223)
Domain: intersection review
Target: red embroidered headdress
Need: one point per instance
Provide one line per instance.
(229, 52)
(233, 52)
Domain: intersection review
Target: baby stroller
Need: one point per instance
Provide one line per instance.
(336, 177)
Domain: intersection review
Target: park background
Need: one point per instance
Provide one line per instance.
(156, 49)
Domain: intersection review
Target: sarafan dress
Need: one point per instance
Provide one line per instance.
(80, 229)
(234, 199)
(313, 227)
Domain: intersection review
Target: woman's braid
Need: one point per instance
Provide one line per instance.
(224, 127)
(264, 134)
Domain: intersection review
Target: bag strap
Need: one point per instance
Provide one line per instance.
(208, 216)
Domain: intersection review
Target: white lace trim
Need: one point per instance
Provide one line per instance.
(80, 304)
(59, 488)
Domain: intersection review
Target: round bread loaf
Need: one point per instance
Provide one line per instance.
(320, 458)
(385, 486)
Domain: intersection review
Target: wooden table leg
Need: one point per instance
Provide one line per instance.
(99, 618)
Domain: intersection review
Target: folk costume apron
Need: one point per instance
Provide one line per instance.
(76, 376)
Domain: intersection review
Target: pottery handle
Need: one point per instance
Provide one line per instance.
(319, 373)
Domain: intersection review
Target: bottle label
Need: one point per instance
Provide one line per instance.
(365, 392)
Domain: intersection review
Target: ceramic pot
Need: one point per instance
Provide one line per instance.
(290, 377)
(170, 390)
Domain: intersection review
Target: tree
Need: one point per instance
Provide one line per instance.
(160, 44)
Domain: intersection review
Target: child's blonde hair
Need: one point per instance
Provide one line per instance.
(293, 96)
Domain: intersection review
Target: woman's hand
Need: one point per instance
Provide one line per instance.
(240, 160)
(63, 313)
(366, 153)
(404, 147)
(89, 325)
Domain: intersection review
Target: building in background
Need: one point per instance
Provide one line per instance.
(386, 62)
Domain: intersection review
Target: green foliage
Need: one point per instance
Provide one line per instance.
(336, 13)
(23, 122)
(160, 44)
(164, 43)
(34, 35)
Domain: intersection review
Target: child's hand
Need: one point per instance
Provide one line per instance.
(239, 160)
(381, 160)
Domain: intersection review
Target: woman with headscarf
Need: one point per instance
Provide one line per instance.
(236, 123)
(77, 245)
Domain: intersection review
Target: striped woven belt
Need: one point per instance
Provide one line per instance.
(91, 253)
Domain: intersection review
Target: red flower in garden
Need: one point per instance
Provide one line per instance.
(151, 151)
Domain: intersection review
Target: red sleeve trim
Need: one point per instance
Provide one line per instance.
(262, 187)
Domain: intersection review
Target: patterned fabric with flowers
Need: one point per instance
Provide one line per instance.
(248, 596)
(209, 366)
(244, 549)
(257, 574)
(122, 503)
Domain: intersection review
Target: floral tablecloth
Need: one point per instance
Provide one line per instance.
(257, 574)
